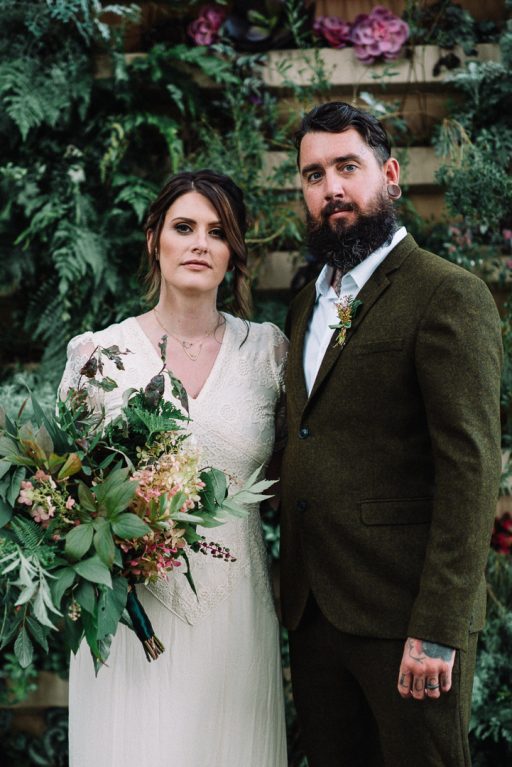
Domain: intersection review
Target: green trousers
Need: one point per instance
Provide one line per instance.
(350, 713)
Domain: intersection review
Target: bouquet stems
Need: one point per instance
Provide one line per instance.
(142, 626)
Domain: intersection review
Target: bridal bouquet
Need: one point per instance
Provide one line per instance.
(89, 508)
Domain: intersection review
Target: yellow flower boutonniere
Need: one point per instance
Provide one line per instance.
(346, 310)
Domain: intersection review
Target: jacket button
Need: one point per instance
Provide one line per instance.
(304, 432)
(302, 505)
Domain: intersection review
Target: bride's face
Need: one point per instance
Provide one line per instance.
(194, 253)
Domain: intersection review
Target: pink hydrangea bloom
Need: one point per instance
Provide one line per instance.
(379, 34)
(205, 29)
(26, 495)
(334, 30)
(70, 503)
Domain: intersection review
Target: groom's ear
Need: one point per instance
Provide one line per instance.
(392, 170)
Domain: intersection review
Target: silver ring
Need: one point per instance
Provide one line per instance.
(432, 687)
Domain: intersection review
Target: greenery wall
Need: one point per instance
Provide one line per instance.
(88, 137)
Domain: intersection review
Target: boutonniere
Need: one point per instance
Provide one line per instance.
(346, 310)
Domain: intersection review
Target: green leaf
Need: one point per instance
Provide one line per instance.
(4, 467)
(104, 542)
(78, 541)
(24, 649)
(6, 512)
(72, 633)
(65, 577)
(38, 633)
(86, 499)
(9, 635)
(93, 569)
(215, 488)
(14, 487)
(119, 497)
(111, 605)
(72, 466)
(129, 526)
(85, 595)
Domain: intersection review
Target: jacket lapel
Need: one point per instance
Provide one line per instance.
(296, 384)
(370, 293)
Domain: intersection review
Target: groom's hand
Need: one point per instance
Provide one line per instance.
(425, 670)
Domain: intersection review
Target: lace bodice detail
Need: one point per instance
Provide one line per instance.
(232, 421)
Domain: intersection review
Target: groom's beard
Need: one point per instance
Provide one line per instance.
(344, 245)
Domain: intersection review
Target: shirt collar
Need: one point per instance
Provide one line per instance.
(361, 273)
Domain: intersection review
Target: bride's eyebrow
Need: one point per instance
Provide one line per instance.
(186, 220)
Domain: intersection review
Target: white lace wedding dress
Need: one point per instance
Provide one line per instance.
(214, 698)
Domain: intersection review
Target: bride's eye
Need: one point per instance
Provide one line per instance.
(218, 232)
(183, 228)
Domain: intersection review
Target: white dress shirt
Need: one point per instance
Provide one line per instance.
(319, 334)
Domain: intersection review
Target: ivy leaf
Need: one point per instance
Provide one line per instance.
(162, 345)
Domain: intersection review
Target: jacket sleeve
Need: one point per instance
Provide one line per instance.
(458, 361)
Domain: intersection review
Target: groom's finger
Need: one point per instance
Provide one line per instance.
(404, 683)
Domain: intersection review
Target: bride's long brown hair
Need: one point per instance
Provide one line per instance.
(227, 199)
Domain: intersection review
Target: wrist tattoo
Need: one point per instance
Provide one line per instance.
(434, 650)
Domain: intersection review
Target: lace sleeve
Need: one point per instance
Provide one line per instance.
(279, 353)
(279, 357)
(79, 350)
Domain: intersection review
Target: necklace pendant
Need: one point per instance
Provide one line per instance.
(187, 344)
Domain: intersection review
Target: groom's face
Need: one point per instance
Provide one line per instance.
(342, 178)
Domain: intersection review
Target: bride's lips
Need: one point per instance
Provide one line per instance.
(197, 264)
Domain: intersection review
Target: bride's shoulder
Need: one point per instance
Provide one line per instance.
(257, 333)
(118, 333)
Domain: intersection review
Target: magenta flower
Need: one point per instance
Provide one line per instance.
(379, 34)
(334, 30)
(205, 29)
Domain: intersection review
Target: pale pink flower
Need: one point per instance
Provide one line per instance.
(70, 503)
(379, 34)
(26, 495)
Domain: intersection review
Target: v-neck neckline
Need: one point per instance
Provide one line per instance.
(214, 367)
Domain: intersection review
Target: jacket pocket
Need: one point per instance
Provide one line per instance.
(399, 511)
(386, 345)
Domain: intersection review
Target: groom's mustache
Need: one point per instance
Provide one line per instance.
(336, 207)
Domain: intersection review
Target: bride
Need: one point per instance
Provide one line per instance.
(214, 698)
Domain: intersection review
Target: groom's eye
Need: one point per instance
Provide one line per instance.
(313, 176)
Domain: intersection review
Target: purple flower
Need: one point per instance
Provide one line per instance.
(205, 29)
(333, 29)
(379, 34)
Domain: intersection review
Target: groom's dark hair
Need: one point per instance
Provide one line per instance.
(336, 117)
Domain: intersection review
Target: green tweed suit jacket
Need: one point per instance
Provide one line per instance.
(391, 471)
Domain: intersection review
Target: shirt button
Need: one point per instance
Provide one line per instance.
(302, 505)
(304, 432)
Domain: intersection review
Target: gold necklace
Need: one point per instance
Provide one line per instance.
(187, 345)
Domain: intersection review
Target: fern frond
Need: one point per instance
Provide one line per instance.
(28, 534)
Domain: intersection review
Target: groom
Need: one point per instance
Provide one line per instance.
(391, 471)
